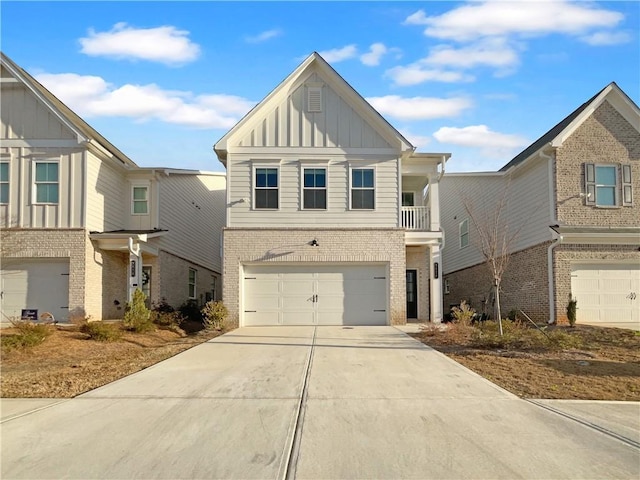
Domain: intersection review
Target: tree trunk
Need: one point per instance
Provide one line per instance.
(498, 312)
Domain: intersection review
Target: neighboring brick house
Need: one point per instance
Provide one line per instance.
(570, 197)
(83, 225)
(332, 218)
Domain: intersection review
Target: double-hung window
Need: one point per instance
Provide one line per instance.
(192, 283)
(603, 188)
(362, 189)
(4, 182)
(315, 188)
(266, 188)
(463, 229)
(140, 205)
(46, 182)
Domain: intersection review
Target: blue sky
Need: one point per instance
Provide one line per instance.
(163, 81)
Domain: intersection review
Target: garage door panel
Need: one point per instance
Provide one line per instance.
(297, 286)
(297, 318)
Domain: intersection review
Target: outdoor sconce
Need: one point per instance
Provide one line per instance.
(314, 243)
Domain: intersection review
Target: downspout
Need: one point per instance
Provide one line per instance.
(557, 239)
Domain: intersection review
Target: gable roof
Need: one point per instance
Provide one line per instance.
(567, 125)
(82, 129)
(315, 59)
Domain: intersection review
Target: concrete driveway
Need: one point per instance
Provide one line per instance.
(304, 402)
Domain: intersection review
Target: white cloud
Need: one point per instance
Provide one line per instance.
(164, 44)
(264, 36)
(494, 52)
(417, 140)
(415, 73)
(606, 38)
(492, 144)
(374, 55)
(535, 18)
(419, 108)
(339, 54)
(92, 96)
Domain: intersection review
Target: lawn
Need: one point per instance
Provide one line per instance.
(583, 362)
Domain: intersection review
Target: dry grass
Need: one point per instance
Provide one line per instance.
(588, 362)
(68, 363)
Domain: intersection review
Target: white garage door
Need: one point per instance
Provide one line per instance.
(41, 284)
(607, 293)
(315, 295)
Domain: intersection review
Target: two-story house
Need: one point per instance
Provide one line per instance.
(332, 218)
(83, 226)
(569, 206)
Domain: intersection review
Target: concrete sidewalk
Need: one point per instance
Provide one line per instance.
(299, 402)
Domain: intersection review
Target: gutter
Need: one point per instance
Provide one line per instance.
(557, 239)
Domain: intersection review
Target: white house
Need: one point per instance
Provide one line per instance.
(83, 225)
(570, 199)
(332, 218)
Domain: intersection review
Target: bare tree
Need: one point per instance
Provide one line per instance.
(494, 238)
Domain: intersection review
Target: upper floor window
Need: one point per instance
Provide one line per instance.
(192, 283)
(140, 205)
(463, 229)
(4, 182)
(266, 188)
(46, 182)
(603, 188)
(362, 189)
(407, 199)
(315, 188)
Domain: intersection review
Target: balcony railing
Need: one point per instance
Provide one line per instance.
(415, 218)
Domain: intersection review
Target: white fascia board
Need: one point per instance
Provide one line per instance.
(311, 152)
(600, 238)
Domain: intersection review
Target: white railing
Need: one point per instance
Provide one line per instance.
(414, 218)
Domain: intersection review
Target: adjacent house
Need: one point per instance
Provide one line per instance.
(569, 200)
(332, 218)
(83, 226)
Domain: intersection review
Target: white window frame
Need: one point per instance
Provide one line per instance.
(35, 183)
(5, 183)
(193, 284)
(463, 234)
(446, 286)
(133, 198)
(352, 188)
(615, 186)
(311, 166)
(258, 166)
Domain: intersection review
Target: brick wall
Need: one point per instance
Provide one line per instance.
(243, 245)
(418, 259)
(525, 285)
(172, 279)
(605, 137)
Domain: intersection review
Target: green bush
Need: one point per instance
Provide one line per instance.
(102, 332)
(214, 315)
(572, 308)
(137, 317)
(559, 340)
(463, 314)
(29, 335)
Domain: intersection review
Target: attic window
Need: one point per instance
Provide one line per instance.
(314, 99)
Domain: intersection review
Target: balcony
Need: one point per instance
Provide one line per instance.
(415, 218)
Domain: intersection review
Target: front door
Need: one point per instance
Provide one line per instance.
(412, 294)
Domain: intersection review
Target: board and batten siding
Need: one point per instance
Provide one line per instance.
(241, 213)
(106, 196)
(289, 124)
(22, 211)
(527, 209)
(192, 209)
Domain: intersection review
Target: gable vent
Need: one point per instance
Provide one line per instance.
(314, 99)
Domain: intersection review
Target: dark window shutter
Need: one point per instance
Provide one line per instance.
(590, 183)
(627, 191)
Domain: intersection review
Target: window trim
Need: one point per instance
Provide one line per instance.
(274, 165)
(147, 188)
(462, 234)
(311, 166)
(623, 188)
(351, 187)
(34, 197)
(6, 182)
(193, 284)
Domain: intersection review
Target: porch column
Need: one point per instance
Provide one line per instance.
(434, 203)
(134, 272)
(435, 270)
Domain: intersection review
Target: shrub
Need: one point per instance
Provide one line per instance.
(463, 314)
(214, 315)
(190, 311)
(29, 335)
(559, 340)
(101, 332)
(163, 307)
(572, 307)
(137, 317)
